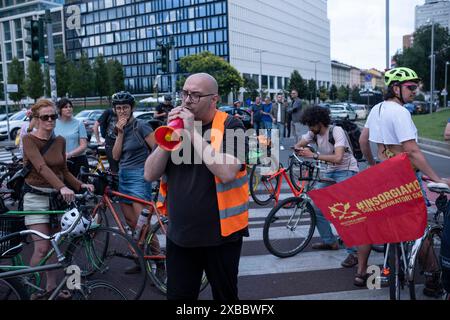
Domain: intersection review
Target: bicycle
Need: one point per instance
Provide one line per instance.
(152, 240)
(96, 158)
(270, 180)
(290, 225)
(405, 263)
(18, 281)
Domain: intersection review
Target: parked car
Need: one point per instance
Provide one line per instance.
(3, 116)
(232, 111)
(88, 117)
(423, 107)
(15, 122)
(342, 111)
(361, 111)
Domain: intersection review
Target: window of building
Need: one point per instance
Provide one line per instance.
(8, 51)
(272, 82)
(280, 83)
(7, 30)
(264, 82)
(19, 47)
(18, 28)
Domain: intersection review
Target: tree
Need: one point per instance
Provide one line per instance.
(116, 78)
(417, 57)
(298, 83)
(101, 77)
(226, 75)
(34, 82)
(342, 93)
(355, 94)
(63, 74)
(16, 75)
(333, 92)
(323, 94)
(251, 88)
(82, 83)
(47, 86)
(312, 89)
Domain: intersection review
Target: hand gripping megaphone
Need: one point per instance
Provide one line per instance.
(169, 137)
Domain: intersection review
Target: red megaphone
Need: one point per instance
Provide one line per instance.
(168, 137)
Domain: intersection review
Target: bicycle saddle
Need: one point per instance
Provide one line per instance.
(438, 187)
(10, 148)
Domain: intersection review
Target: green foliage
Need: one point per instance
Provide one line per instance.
(63, 70)
(82, 84)
(116, 78)
(342, 93)
(333, 92)
(16, 75)
(311, 89)
(228, 78)
(417, 57)
(297, 82)
(323, 94)
(355, 94)
(101, 83)
(34, 82)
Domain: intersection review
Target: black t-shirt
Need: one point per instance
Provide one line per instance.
(192, 200)
(163, 108)
(107, 122)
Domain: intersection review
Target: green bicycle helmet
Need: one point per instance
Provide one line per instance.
(400, 75)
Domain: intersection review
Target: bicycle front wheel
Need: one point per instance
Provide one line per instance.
(107, 254)
(427, 272)
(396, 274)
(262, 188)
(99, 290)
(289, 227)
(13, 289)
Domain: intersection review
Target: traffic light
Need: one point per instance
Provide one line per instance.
(35, 39)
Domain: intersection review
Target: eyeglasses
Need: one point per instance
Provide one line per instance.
(122, 108)
(412, 87)
(194, 97)
(47, 117)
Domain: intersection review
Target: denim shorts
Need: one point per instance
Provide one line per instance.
(132, 183)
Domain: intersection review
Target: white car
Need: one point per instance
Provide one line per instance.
(342, 111)
(15, 123)
(361, 111)
(143, 115)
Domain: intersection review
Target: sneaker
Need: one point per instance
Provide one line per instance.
(325, 246)
(350, 261)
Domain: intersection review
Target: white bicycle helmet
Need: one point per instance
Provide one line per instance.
(69, 218)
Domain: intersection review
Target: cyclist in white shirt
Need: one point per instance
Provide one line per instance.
(390, 126)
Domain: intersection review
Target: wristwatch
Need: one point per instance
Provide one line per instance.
(316, 156)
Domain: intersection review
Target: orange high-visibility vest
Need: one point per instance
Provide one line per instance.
(232, 197)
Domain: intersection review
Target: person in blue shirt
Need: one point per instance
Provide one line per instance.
(74, 131)
(267, 116)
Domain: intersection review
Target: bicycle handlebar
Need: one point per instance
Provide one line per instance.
(438, 187)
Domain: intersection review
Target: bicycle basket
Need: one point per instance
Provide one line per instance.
(8, 225)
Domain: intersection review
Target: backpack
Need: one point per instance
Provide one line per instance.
(352, 132)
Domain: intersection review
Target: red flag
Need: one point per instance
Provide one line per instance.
(383, 204)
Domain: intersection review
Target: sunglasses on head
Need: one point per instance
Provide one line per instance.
(47, 117)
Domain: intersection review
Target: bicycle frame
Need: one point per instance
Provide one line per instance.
(282, 174)
(107, 202)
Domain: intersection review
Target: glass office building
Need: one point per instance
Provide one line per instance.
(128, 31)
(13, 16)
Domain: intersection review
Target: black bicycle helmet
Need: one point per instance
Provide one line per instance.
(122, 97)
(168, 97)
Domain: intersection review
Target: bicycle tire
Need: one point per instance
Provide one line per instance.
(297, 178)
(104, 253)
(415, 284)
(13, 289)
(395, 272)
(155, 257)
(98, 290)
(299, 224)
(265, 190)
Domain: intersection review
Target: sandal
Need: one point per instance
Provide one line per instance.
(360, 280)
(45, 295)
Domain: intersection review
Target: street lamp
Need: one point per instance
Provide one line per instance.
(432, 67)
(446, 91)
(315, 78)
(260, 70)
